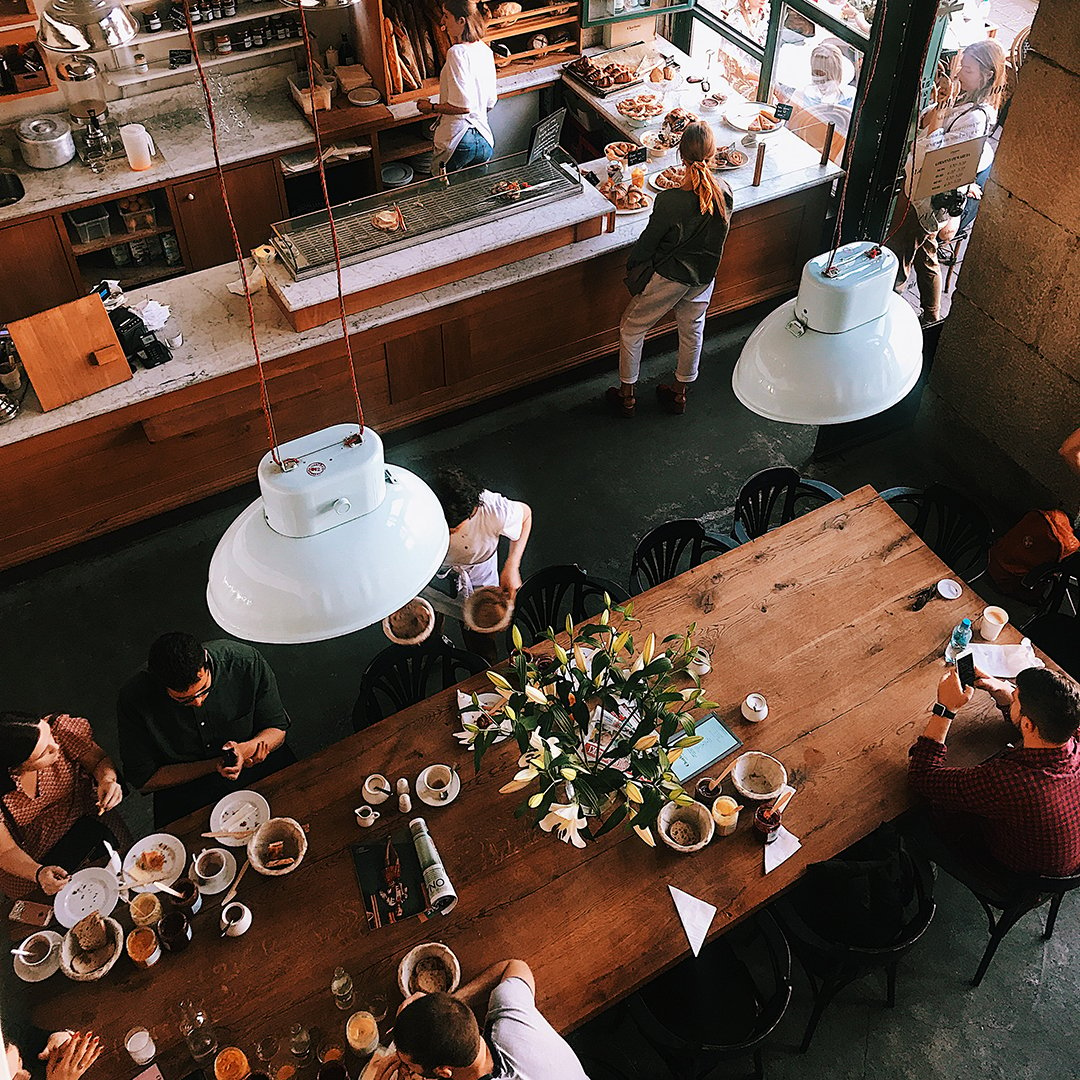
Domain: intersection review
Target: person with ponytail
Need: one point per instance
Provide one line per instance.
(55, 783)
(674, 265)
(466, 91)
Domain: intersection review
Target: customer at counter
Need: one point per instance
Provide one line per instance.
(673, 264)
(197, 718)
(55, 783)
(466, 91)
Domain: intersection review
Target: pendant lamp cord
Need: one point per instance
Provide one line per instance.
(264, 395)
(330, 216)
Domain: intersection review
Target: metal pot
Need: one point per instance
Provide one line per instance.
(45, 141)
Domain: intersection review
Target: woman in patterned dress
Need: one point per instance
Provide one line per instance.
(55, 783)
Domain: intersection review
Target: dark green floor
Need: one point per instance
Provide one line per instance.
(76, 628)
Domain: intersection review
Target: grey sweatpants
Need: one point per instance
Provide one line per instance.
(647, 308)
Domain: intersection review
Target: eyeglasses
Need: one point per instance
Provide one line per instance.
(191, 699)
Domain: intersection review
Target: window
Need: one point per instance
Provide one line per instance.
(857, 15)
(740, 68)
(750, 18)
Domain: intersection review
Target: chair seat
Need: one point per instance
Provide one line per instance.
(1058, 635)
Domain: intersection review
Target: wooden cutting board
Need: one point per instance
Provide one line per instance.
(70, 351)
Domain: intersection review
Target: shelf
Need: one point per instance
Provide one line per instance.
(257, 11)
(530, 26)
(25, 35)
(395, 144)
(127, 77)
(120, 238)
(131, 277)
(16, 11)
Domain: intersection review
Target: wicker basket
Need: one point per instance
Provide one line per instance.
(282, 829)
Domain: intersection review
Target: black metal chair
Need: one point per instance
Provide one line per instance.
(402, 675)
(681, 1014)
(548, 596)
(774, 497)
(955, 529)
(1055, 631)
(830, 965)
(669, 549)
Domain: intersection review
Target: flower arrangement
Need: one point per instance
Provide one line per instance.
(599, 724)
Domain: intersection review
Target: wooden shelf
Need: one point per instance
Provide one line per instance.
(24, 35)
(530, 26)
(131, 277)
(120, 238)
(129, 77)
(17, 11)
(245, 13)
(398, 143)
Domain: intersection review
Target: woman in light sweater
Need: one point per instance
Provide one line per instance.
(466, 91)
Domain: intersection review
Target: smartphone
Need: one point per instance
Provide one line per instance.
(965, 668)
(229, 757)
(26, 911)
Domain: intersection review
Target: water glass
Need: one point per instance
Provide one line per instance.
(140, 1045)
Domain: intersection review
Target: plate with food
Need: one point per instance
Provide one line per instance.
(760, 119)
(91, 947)
(712, 102)
(240, 812)
(678, 120)
(430, 968)
(620, 151)
(510, 190)
(157, 858)
(728, 157)
(477, 716)
(92, 889)
(641, 108)
(626, 198)
(661, 144)
(671, 177)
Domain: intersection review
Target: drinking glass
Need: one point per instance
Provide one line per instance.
(266, 1049)
(198, 1031)
(376, 1005)
(330, 1049)
(300, 1043)
(139, 1043)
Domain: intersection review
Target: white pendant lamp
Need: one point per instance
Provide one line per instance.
(847, 347)
(86, 26)
(337, 542)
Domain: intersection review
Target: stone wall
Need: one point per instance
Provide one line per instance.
(1005, 387)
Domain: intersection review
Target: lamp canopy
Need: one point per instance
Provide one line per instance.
(847, 347)
(338, 541)
(86, 26)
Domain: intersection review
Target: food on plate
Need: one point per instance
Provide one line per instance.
(670, 71)
(671, 177)
(152, 861)
(656, 75)
(275, 856)
(641, 106)
(728, 157)
(509, 189)
(619, 150)
(662, 141)
(713, 101)
(387, 220)
(679, 119)
(764, 121)
(90, 932)
(601, 76)
(624, 196)
(431, 975)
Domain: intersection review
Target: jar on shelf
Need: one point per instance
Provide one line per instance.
(228, 8)
(223, 44)
(171, 247)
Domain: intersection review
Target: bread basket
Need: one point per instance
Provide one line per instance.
(277, 830)
(67, 953)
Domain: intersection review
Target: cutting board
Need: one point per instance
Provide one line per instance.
(70, 351)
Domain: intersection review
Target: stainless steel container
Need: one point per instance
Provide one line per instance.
(45, 141)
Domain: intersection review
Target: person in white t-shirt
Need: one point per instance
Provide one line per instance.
(466, 91)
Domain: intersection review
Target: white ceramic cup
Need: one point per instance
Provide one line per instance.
(365, 816)
(202, 869)
(755, 708)
(139, 1043)
(700, 662)
(235, 919)
(138, 146)
(993, 622)
(376, 789)
(40, 946)
(437, 779)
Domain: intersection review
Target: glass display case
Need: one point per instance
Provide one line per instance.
(404, 217)
(599, 12)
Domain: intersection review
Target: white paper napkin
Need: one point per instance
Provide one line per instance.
(781, 849)
(1004, 661)
(696, 916)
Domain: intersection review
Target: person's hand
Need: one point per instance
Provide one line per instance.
(74, 1057)
(52, 879)
(951, 694)
(974, 191)
(109, 793)
(999, 689)
(510, 579)
(424, 105)
(847, 12)
(232, 772)
(56, 1040)
(254, 751)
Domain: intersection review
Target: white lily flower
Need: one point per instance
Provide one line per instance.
(514, 785)
(638, 664)
(567, 821)
(647, 742)
(646, 835)
(535, 695)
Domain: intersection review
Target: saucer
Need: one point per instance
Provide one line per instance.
(227, 874)
(429, 798)
(42, 971)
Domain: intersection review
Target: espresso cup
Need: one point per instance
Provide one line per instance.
(208, 867)
(235, 920)
(700, 662)
(755, 708)
(37, 948)
(993, 622)
(376, 789)
(365, 816)
(437, 778)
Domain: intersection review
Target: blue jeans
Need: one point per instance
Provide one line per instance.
(473, 149)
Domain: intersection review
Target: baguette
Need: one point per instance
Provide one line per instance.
(393, 65)
(410, 72)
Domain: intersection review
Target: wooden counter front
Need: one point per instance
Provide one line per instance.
(96, 475)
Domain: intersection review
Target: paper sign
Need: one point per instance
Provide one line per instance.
(949, 167)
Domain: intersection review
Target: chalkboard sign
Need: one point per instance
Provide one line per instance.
(179, 57)
(591, 177)
(638, 156)
(545, 135)
(783, 112)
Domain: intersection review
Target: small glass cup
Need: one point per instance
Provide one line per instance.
(266, 1049)
(145, 909)
(331, 1049)
(376, 1005)
(139, 1043)
(300, 1044)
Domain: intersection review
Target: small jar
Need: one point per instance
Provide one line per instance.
(725, 812)
(224, 43)
(141, 66)
(228, 8)
(195, 14)
(215, 8)
(153, 20)
(207, 12)
(767, 823)
(246, 40)
(258, 36)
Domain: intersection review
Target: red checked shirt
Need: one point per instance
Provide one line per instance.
(1026, 800)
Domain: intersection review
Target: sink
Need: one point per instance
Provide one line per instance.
(11, 188)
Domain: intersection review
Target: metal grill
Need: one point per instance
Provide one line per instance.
(436, 211)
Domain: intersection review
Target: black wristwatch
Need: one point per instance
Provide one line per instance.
(940, 710)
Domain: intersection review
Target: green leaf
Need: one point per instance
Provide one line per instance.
(612, 820)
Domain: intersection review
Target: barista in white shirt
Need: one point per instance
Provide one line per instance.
(466, 91)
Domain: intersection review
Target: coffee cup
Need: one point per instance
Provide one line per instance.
(700, 662)
(37, 948)
(437, 779)
(235, 919)
(365, 816)
(376, 789)
(755, 708)
(208, 868)
(993, 622)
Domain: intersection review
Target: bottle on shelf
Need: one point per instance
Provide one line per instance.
(960, 640)
(258, 35)
(341, 986)
(153, 20)
(7, 76)
(346, 55)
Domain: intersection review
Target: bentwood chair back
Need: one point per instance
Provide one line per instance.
(1057, 631)
(548, 596)
(955, 529)
(721, 1004)
(669, 549)
(402, 675)
(774, 497)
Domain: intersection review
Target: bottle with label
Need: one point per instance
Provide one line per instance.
(960, 640)
(441, 895)
(258, 35)
(346, 55)
(341, 986)
(153, 20)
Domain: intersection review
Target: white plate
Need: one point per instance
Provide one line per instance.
(239, 810)
(740, 117)
(229, 872)
(425, 795)
(655, 186)
(92, 889)
(175, 859)
(42, 971)
(365, 95)
(469, 716)
(638, 210)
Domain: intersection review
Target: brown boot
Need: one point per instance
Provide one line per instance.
(673, 398)
(622, 404)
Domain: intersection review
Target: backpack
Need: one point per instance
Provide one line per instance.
(1039, 538)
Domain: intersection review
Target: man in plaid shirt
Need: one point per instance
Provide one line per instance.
(1021, 809)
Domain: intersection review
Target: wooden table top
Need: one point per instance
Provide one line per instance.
(815, 615)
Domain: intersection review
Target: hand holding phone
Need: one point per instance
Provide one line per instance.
(965, 668)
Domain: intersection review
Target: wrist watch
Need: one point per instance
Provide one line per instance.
(940, 710)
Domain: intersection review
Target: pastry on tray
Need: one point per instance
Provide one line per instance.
(764, 121)
(679, 119)
(671, 177)
(641, 106)
(729, 157)
(387, 220)
(619, 151)
(624, 196)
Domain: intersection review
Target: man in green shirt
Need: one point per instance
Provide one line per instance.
(198, 718)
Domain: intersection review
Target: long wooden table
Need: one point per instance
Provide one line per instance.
(815, 615)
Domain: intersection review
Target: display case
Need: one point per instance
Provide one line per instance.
(404, 217)
(600, 12)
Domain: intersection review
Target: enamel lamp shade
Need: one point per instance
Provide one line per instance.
(86, 26)
(847, 347)
(338, 541)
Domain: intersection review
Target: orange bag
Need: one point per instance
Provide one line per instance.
(1039, 538)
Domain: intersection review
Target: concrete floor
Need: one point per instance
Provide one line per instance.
(76, 627)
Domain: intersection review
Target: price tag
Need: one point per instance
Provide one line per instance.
(638, 156)
(783, 112)
(179, 57)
